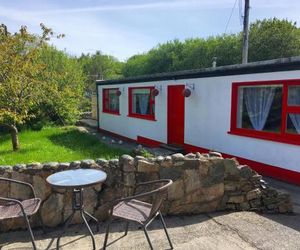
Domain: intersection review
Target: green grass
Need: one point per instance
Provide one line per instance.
(54, 144)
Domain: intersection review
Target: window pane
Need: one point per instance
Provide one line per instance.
(293, 123)
(142, 102)
(113, 100)
(294, 96)
(259, 107)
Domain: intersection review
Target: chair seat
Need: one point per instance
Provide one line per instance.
(135, 210)
(13, 210)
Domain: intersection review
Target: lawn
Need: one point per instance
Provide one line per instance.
(62, 144)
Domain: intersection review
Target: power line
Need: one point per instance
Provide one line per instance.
(230, 16)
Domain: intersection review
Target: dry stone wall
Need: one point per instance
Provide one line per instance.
(202, 183)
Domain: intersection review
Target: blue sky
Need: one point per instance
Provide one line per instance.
(123, 28)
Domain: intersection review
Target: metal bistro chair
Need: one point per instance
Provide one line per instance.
(131, 209)
(13, 208)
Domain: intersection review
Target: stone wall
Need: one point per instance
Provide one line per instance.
(202, 183)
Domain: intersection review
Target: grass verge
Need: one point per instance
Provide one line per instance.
(62, 144)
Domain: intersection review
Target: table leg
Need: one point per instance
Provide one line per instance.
(93, 218)
(77, 205)
(88, 227)
(66, 224)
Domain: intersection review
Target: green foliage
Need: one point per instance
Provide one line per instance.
(190, 54)
(64, 83)
(99, 66)
(136, 65)
(20, 74)
(268, 39)
(165, 57)
(142, 152)
(55, 144)
(273, 38)
(145, 153)
(36, 81)
(96, 67)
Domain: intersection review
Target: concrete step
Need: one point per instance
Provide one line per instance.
(172, 147)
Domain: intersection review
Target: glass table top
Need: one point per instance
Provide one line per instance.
(76, 178)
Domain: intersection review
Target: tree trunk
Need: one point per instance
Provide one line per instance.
(14, 137)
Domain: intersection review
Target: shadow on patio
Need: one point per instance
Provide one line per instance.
(239, 230)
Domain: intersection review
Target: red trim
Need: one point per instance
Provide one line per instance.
(151, 103)
(116, 135)
(111, 112)
(148, 142)
(288, 138)
(150, 118)
(234, 103)
(262, 168)
(282, 136)
(105, 102)
(140, 139)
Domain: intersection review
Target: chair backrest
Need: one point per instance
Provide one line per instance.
(159, 195)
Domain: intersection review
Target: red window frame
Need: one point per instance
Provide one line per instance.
(151, 103)
(283, 136)
(105, 98)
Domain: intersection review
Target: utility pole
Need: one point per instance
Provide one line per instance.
(245, 32)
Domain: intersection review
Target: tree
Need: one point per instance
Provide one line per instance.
(21, 77)
(268, 39)
(96, 67)
(63, 80)
(99, 66)
(136, 65)
(273, 38)
(164, 57)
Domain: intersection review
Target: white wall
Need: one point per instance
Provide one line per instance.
(207, 119)
(132, 127)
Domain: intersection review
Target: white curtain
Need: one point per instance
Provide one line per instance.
(295, 118)
(240, 107)
(258, 102)
(143, 103)
(294, 100)
(113, 101)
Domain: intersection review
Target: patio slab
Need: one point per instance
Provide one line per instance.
(239, 230)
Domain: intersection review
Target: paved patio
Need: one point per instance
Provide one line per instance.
(239, 230)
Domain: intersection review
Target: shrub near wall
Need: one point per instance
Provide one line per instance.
(202, 183)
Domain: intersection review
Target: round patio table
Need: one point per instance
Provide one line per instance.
(76, 180)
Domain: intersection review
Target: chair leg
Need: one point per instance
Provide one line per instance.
(30, 231)
(165, 228)
(106, 234)
(147, 236)
(126, 227)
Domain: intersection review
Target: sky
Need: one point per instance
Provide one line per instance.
(123, 28)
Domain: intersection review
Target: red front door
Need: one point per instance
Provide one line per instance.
(175, 115)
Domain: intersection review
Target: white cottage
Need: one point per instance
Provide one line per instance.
(250, 111)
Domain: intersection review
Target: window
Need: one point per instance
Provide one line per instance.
(142, 103)
(111, 101)
(268, 110)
